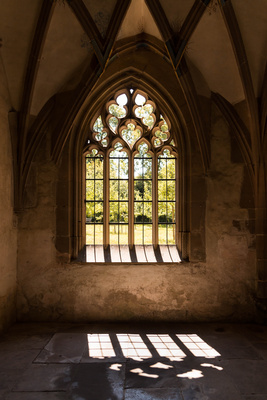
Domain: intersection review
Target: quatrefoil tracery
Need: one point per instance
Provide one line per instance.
(130, 130)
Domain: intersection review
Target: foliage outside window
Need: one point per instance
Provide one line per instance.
(131, 163)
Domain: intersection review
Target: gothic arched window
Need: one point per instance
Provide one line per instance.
(131, 174)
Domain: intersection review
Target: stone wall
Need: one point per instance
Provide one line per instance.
(8, 230)
(222, 288)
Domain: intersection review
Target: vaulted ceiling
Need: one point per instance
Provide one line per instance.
(46, 45)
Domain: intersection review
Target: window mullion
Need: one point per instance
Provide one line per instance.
(106, 202)
(131, 200)
(155, 201)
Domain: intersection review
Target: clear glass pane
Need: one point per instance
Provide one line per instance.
(114, 190)
(104, 142)
(147, 168)
(90, 192)
(89, 168)
(148, 234)
(123, 234)
(114, 234)
(123, 168)
(114, 168)
(143, 149)
(149, 121)
(148, 212)
(99, 163)
(170, 190)
(90, 234)
(123, 212)
(171, 211)
(99, 212)
(98, 190)
(144, 111)
(138, 190)
(90, 212)
(137, 168)
(131, 134)
(138, 212)
(122, 99)
(99, 234)
(162, 168)
(113, 211)
(140, 100)
(123, 185)
(162, 190)
(138, 234)
(147, 190)
(171, 234)
(162, 234)
(162, 212)
(113, 123)
(117, 111)
(171, 168)
(98, 125)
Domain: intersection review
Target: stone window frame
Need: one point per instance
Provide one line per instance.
(71, 240)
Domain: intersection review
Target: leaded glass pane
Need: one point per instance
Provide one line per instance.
(123, 168)
(138, 234)
(148, 234)
(89, 168)
(99, 234)
(114, 234)
(113, 190)
(98, 190)
(123, 234)
(90, 234)
(162, 234)
(113, 212)
(147, 191)
(161, 190)
(123, 212)
(171, 169)
(148, 212)
(123, 190)
(171, 211)
(90, 212)
(114, 168)
(90, 190)
(170, 186)
(171, 233)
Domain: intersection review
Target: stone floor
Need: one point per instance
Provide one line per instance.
(134, 362)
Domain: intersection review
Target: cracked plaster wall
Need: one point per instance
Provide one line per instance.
(8, 230)
(220, 289)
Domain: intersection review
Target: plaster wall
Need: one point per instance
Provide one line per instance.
(222, 288)
(8, 230)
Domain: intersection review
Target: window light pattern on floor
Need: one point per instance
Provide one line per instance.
(139, 254)
(166, 347)
(100, 346)
(197, 346)
(134, 346)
